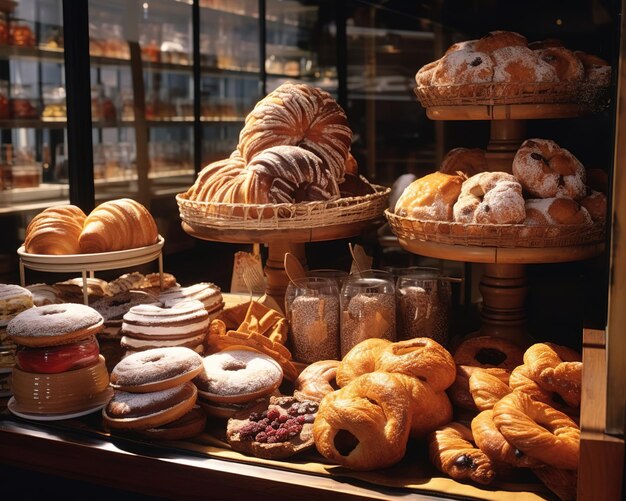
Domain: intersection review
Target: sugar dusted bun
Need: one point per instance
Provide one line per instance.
(596, 205)
(55, 230)
(299, 115)
(499, 39)
(518, 64)
(463, 67)
(430, 197)
(549, 211)
(567, 65)
(117, 225)
(597, 70)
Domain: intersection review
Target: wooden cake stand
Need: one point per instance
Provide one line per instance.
(504, 284)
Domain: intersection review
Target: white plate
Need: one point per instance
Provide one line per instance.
(51, 417)
(91, 262)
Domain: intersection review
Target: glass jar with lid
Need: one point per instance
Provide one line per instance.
(368, 308)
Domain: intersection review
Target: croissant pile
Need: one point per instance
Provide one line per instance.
(294, 147)
(524, 416)
(388, 393)
(115, 225)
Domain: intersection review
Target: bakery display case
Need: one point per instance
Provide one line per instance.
(175, 89)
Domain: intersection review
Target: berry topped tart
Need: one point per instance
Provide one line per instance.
(277, 428)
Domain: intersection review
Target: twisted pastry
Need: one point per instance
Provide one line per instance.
(299, 115)
(487, 389)
(361, 359)
(287, 174)
(538, 430)
(364, 425)
(212, 177)
(556, 368)
(116, 225)
(317, 379)
(452, 450)
(493, 443)
(55, 231)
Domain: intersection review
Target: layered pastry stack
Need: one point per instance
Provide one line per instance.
(154, 395)
(13, 300)
(294, 147)
(59, 368)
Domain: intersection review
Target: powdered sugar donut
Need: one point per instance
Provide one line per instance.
(236, 376)
(157, 369)
(546, 170)
(141, 411)
(54, 324)
(490, 198)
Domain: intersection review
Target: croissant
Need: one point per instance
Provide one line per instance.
(317, 379)
(452, 450)
(55, 231)
(487, 389)
(364, 425)
(361, 359)
(117, 225)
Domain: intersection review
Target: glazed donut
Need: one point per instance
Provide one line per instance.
(596, 205)
(493, 443)
(54, 324)
(61, 358)
(155, 370)
(489, 351)
(546, 170)
(562, 482)
(289, 174)
(142, 411)
(538, 430)
(215, 175)
(498, 40)
(490, 198)
(555, 211)
(469, 161)
(459, 392)
(597, 70)
(55, 231)
(117, 225)
(430, 197)
(453, 451)
(317, 379)
(422, 358)
(463, 67)
(520, 381)
(521, 65)
(238, 375)
(487, 389)
(557, 369)
(298, 115)
(361, 359)
(365, 425)
(567, 65)
(184, 320)
(187, 426)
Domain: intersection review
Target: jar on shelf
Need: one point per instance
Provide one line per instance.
(312, 306)
(26, 172)
(4, 29)
(368, 308)
(54, 103)
(21, 33)
(6, 165)
(23, 102)
(423, 305)
(338, 276)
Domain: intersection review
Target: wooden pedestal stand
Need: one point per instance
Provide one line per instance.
(503, 284)
(279, 242)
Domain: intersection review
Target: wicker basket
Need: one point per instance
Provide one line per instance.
(595, 97)
(302, 215)
(495, 235)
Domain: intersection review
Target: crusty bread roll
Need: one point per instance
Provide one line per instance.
(430, 197)
(55, 231)
(118, 225)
